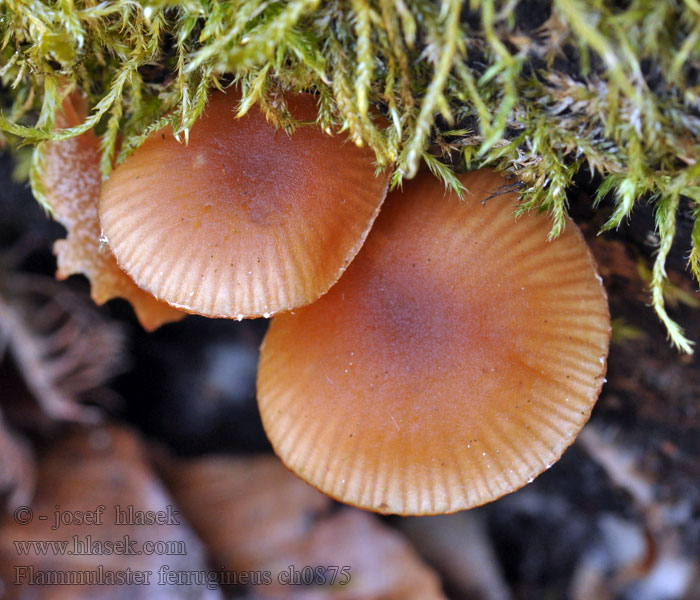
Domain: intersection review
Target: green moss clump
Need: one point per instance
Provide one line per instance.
(536, 88)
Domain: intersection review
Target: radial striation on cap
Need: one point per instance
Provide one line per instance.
(454, 361)
(245, 220)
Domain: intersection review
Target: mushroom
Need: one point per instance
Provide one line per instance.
(454, 361)
(72, 181)
(245, 220)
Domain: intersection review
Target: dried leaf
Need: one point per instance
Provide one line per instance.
(72, 183)
(265, 505)
(254, 515)
(382, 563)
(84, 480)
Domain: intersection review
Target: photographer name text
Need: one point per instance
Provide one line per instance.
(120, 515)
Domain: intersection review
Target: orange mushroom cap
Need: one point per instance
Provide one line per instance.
(72, 181)
(455, 360)
(245, 220)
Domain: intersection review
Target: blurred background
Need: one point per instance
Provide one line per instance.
(96, 412)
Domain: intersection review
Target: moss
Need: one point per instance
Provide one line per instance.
(538, 89)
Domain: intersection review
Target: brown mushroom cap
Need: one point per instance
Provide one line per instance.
(71, 178)
(455, 360)
(245, 220)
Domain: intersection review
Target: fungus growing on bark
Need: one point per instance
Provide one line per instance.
(455, 360)
(245, 220)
